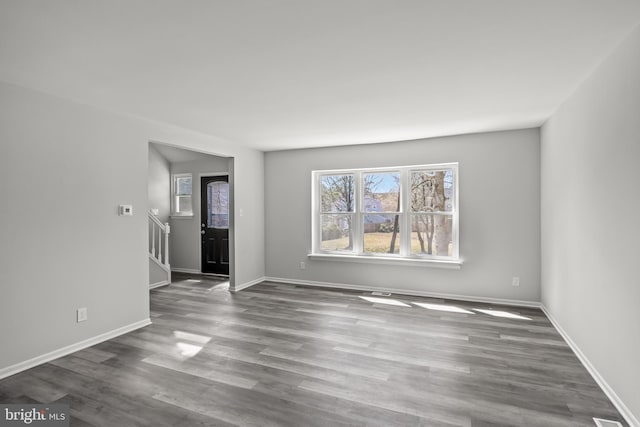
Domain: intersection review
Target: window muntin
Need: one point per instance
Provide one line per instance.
(403, 212)
(182, 192)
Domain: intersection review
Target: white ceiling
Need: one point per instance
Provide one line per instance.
(283, 74)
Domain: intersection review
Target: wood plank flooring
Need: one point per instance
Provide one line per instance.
(283, 355)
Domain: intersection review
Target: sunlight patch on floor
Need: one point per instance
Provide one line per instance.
(500, 313)
(188, 350)
(443, 307)
(387, 301)
(221, 286)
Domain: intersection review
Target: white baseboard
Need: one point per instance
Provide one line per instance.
(158, 284)
(185, 270)
(47, 357)
(246, 285)
(498, 301)
(611, 394)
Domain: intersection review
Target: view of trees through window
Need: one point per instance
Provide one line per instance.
(218, 209)
(338, 206)
(381, 195)
(380, 213)
(431, 212)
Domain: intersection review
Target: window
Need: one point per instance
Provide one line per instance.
(218, 209)
(405, 212)
(181, 199)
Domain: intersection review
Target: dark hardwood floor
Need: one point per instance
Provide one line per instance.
(282, 355)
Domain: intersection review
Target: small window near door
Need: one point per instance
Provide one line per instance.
(181, 199)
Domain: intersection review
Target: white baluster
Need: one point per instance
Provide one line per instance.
(153, 238)
(166, 244)
(159, 257)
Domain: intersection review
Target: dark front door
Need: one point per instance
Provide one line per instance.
(214, 224)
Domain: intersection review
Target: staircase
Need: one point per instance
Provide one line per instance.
(159, 268)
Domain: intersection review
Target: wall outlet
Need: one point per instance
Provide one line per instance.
(515, 281)
(302, 265)
(81, 314)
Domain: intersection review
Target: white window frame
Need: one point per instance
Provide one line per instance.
(404, 256)
(175, 195)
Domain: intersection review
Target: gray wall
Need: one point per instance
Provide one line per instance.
(159, 197)
(159, 191)
(156, 273)
(499, 219)
(64, 168)
(185, 231)
(590, 227)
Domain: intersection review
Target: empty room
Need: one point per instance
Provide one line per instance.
(320, 213)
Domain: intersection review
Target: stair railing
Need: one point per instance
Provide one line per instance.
(159, 251)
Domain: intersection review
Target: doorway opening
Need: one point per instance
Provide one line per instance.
(188, 189)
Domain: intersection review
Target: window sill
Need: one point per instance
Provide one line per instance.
(374, 259)
(182, 216)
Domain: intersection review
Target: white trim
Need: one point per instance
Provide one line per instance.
(47, 357)
(405, 232)
(611, 394)
(357, 229)
(155, 219)
(205, 174)
(158, 284)
(174, 195)
(498, 301)
(185, 270)
(238, 288)
(404, 213)
(385, 168)
(377, 259)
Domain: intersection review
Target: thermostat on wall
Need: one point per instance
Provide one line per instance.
(126, 210)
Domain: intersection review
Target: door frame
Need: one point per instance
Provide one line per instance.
(205, 175)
